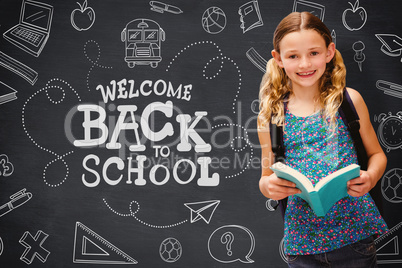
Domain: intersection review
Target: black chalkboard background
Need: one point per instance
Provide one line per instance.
(71, 221)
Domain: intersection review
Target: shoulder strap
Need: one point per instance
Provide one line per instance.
(350, 117)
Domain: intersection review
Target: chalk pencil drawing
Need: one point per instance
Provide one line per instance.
(143, 42)
(83, 18)
(33, 30)
(359, 56)
(333, 35)
(170, 250)
(161, 7)
(389, 88)
(16, 200)
(91, 248)
(256, 59)
(231, 243)
(6, 167)
(317, 10)
(354, 18)
(250, 16)
(34, 247)
(391, 185)
(213, 20)
(18, 68)
(390, 130)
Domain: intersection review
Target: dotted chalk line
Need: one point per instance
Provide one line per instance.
(132, 214)
(94, 62)
(53, 101)
(239, 150)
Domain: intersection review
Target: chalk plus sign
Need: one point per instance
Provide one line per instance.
(33, 247)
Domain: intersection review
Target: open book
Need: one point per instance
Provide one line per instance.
(326, 192)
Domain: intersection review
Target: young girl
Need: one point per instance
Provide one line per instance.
(302, 91)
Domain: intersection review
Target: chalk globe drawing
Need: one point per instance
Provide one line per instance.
(391, 185)
(170, 250)
(213, 20)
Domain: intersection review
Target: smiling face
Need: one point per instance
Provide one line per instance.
(304, 55)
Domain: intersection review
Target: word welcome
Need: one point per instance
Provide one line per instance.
(124, 89)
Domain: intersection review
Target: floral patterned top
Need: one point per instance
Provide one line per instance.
(312, 149)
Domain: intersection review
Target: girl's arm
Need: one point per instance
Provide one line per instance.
(270, 185)
(377, 161)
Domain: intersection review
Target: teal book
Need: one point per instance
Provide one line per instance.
(326, 192)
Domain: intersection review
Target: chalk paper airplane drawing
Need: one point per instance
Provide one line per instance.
(162, 7)
(391, 44)
(389, 88)
(89, 247)
(7, 93)
(256, 59)
(34, 247)
(33, 29)
(250, 16)
(314, 8)
(202, 210)
(388, 246)
(18, 68)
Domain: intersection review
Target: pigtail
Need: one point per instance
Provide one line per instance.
(274, 85)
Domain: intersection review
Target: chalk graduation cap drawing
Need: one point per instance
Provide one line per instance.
(391, 44)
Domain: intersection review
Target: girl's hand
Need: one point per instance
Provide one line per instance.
(278, 188)
(360, 186)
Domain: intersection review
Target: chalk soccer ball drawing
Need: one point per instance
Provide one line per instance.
(390, 130)
(82, 19)
(355, 18)
(391, 185)
(170, 250)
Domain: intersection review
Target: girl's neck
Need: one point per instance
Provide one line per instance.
(304, 101)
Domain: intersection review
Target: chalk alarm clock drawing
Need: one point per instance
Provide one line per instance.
(142, 39)
(390, 130)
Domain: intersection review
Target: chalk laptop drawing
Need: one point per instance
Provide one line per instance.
(32, 31)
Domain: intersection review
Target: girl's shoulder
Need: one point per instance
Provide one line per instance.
(356, 97)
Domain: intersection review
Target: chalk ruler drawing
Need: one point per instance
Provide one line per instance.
(250, 16)
(58, 157)
(388, 246)
(161, 7)
(18, 68)
(314, 8)
(16, 200)
(7, 94)
(90, 247)
(391, 44)
(231, 243)
(143, 42)
(34, 247)
(213, 20)
(202, 210)
(6, 167)
(354, 18)
(256, 59)
(170, 250)
(389, 88)
(33, 29)
(391, 185)
(83, 18)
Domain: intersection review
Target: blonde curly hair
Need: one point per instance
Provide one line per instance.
(275, 84)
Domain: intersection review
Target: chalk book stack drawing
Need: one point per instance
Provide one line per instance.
(326, 192)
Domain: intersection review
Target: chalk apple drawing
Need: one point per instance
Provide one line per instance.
(82, 19)
(355, 18)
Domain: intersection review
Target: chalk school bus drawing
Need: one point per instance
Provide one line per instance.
(142, 39)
